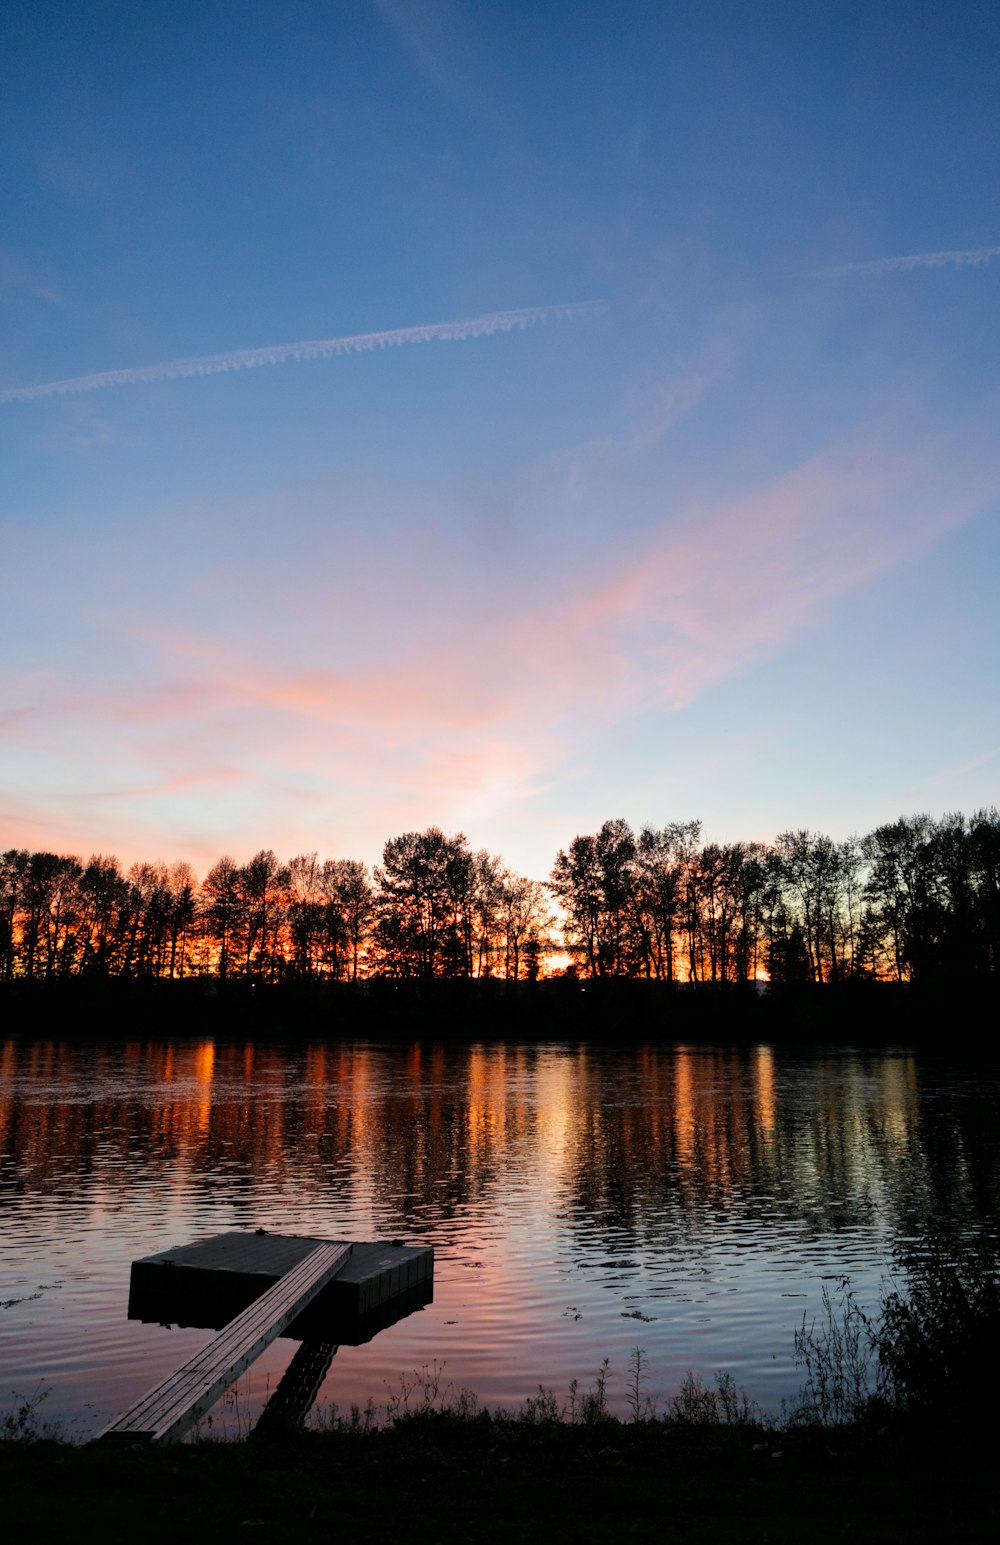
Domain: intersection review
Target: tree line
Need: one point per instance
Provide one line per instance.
(916, 900)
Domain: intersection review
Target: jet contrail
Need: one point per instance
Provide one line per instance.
(311, 348)
(971, 259)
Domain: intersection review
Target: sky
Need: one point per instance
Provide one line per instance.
(504, 417)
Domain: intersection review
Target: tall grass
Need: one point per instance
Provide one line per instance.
(23, 1424)
(931, 1351)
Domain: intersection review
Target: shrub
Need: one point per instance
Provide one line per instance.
(933, 1350)
(938, 1340)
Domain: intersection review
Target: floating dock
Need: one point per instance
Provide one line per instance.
(252, 1288)
(208, 1282)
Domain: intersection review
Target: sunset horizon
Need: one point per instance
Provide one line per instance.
(637, 455)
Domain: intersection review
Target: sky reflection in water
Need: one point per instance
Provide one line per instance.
(582, 1201)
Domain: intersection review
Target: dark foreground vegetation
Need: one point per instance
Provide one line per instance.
(894, 1441)
(438, 1478)
(915, 901)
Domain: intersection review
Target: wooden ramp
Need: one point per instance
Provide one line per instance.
(173, 1406)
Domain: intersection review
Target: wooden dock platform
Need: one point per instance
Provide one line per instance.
(208, 1282)
(176, 1404)
(252, 1288)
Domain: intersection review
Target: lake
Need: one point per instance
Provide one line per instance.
(582, 1201)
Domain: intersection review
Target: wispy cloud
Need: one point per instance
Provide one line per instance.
(719, 589)
(463, 719)
(18, 283)
(975, 257)
(310, 348)
(442, 44)
(675, 396)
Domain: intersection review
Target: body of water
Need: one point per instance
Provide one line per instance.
(582, 1201)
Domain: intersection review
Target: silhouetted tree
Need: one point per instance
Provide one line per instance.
(525, 923)
(984, 863)
(14, 867)
(820, 878)
(896, 895)
(788, 958)
(656, 896)
(488, 881)
(107, 906)
(305, 914)
(595, 882)
(183, 916)
(222, 910)
(263, 886)
(49, 914)
(915, 900)
(349, 915)
(424, 894)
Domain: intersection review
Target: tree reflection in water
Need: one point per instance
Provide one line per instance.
(704, 1192)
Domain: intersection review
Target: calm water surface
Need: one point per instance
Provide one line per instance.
(582, 1201)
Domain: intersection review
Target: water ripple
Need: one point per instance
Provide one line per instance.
(580, 1202)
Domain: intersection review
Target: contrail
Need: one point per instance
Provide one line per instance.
(311, 348)
(971, 259)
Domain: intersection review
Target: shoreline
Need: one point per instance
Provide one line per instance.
(608, 1012)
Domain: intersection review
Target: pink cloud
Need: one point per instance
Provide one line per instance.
(732, 582)
(227, 750)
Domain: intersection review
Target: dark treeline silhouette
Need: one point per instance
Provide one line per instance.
(917, 901)
(914, 901)
(432, 909)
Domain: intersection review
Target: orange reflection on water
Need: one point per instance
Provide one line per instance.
(426, 1127)
(561, 1088)
(684, 1117)
(900, 1096)
(204, 1071)
(486, 1107)
(8, 1067)
(764, 1091)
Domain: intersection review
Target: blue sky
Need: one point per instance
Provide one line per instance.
(724, 547)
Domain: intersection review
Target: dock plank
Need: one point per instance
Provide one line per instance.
(167, 1411)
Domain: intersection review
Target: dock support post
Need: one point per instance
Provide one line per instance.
(300, 1383)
